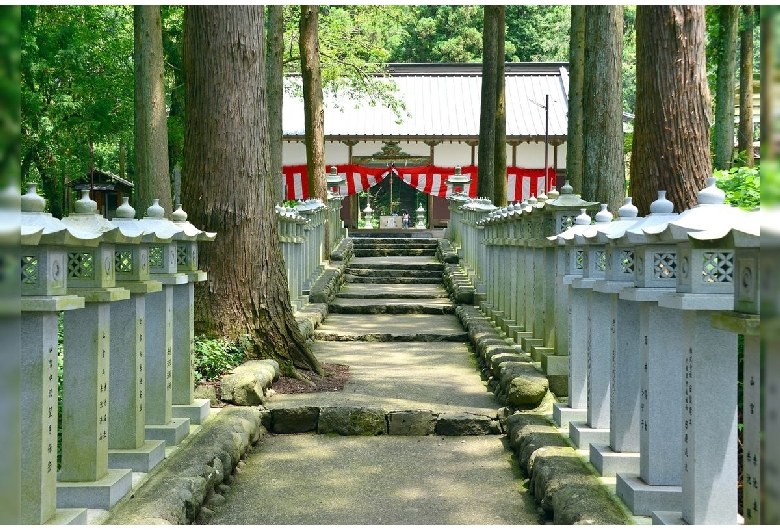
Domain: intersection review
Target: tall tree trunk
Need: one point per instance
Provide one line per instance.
(499, 156)
(151, 128)
(603, 178)
(314, 113)
(487, 116)
(575, 140)
(228, 186)
(769, 133)
(724, 87)
(671, 148)
(745, 136)
(275, 83)
(313, 109)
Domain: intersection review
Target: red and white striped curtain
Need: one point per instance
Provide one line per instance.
(521, 183)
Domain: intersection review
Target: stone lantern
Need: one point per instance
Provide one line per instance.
(744, 237)
(657, 484)
(616, 353)
(420, 217)
(163, 236)
(367, 214)
(705, 285)
(85, 478)
(45, 242)
(184, 404)
(127, 444)
(456, 185)
(571, 344)
(334, 181)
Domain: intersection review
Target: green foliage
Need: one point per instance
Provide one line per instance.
(742, 186)
(9, 94)
(214, 357)
(76, 89)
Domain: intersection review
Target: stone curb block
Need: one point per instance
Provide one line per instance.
(364, 421)
(294, 420)
(466, 424)
(343, 251)
(411, 423)
(445, 252)
(559, 479)
(328, 284)
(246, 384)
(520, 384)
(351, 421)
(310, 317)
(195, 474)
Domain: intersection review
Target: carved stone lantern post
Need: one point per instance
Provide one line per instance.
(705, 285)
(127, 444)
(45, 242)
(163, 267)
(85, 478)
(622, 318)
(657, 484)
(184, 404)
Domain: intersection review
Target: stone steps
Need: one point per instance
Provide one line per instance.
(394, 273)
(413, 243)
(391, 328)
(383, 242)
(379, 291)
(377, 252)
(410, 280)
(391, 306)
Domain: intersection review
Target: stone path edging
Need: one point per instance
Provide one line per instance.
(366, 421)
(196, 475)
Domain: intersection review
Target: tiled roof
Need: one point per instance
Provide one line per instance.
(443, 101)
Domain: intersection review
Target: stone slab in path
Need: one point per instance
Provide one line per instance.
(407, 328)
(398, 262)
(368, 290)
(320, 479)
(440, 377)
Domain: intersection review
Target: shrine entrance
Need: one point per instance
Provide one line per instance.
(390, 197)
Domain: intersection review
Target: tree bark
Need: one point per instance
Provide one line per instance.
(745, 136)
(499, 156)
(313, 109)
(228, 186)
(314, 113)
(150, 123)
(724, 87)
(275, 84)
(603, 178)
(487, 116)
(671, 148)
(575, 140)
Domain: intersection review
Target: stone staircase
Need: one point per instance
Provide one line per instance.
(393, 277)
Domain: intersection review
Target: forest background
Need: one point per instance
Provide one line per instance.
(77, 70)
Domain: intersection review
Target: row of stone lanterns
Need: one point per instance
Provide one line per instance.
(126, 290)
(645, 311)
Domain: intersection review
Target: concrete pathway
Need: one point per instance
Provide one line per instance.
(320, 479)
(397, 362)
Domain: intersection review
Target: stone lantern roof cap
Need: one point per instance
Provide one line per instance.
(602, 233)
(581, 224)
(158, 229)
(87, 222)
(745, 231)
(710, 214)
(568, 200)
(661, 213)
(41, 228)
